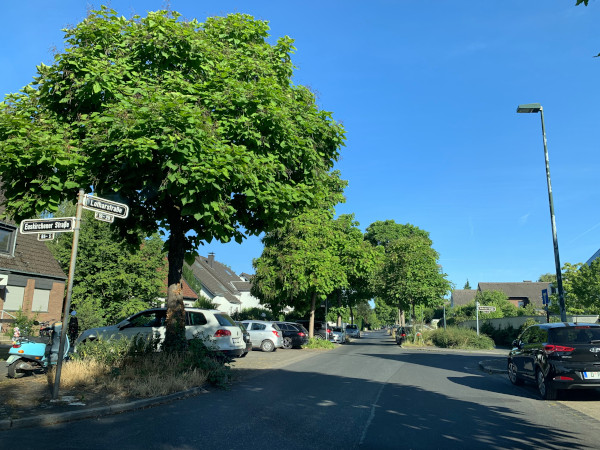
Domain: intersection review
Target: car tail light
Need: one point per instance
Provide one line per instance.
(222, 333)
(275, 332)
(561, 378)
(301, 334)
(403, 334)
(16, 345)
(329, 330)
(550, 348)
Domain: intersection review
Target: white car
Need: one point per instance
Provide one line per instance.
(338, 335)
(209, 324)
(353, 331)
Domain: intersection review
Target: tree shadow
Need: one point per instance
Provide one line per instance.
(299, 410)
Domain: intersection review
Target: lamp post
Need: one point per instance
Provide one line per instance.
(534, 108)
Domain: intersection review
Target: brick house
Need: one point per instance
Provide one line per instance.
(519, 294)
(30, 278)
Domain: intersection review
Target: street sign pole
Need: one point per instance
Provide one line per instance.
(63, 331)
(477, 316)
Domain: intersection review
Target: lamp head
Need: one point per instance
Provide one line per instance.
(529, 108)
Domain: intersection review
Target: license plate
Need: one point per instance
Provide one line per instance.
(236, 340)
(591, 375)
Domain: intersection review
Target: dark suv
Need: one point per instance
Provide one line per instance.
(294, 334)
(320, 332)
(557, 356)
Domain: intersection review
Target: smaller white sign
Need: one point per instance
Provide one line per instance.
(104, 217)
(45, 236)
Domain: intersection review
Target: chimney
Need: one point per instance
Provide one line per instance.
(211, 259)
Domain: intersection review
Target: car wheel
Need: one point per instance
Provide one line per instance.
(546, 391)
(243, 355)
(267, 346)
(287, 342)
(512, 374)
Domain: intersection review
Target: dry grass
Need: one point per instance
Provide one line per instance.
(152, 376)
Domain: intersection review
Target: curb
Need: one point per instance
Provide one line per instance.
(50, 419)
(487, 367)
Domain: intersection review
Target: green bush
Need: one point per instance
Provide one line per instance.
(114, 352)
(24, 323)
(216, 364)
(454, 337)
(319, 343)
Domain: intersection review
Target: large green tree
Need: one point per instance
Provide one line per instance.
(198, 127)
(411, 274)
(299, 265)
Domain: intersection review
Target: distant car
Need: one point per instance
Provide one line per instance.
(294, 334)
(352, 331)
(557, 356)
(338, 335)
(246, 339)
(264, 335)
(213, 325)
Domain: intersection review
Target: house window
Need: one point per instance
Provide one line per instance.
(41, 299)
(13, 300)
(8, 235)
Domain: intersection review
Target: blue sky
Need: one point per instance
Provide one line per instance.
(427, 91)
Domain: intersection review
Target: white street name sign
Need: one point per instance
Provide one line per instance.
(54, 225)
(102, 205)
(487, 309)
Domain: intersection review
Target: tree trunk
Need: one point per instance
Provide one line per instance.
(311, 323)
(175, 322)
(351, 315)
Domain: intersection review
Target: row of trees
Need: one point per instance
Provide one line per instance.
(316, 257)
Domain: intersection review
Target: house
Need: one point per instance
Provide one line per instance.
(31, 279)
(230, 292)
(460, 297)
(519, 294)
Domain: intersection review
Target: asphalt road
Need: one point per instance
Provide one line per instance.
(368, 394)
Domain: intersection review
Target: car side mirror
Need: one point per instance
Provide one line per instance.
(516, 343)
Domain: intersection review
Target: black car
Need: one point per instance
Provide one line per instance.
(557, 356)
(320, 332)
(246, 339)
(294, 334)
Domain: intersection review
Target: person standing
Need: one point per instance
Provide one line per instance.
(73, 327)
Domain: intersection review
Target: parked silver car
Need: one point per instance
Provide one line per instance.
(214, 326)
(352, 331)
(264, 335)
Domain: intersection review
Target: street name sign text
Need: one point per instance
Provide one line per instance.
(54, 225)
(102, 205)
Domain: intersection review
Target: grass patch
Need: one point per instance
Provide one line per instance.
(320, 344)
(125, 368)
(464, 338)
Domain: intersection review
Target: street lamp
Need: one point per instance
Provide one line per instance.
(534, 108)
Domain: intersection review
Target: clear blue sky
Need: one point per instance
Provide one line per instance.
(427, 91)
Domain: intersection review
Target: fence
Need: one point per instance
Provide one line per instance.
(517, 322)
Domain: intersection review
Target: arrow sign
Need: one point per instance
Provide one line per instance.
(55, 225)
(102, 205)
(487, 309)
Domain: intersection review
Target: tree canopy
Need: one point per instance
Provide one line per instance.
(196, 126)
